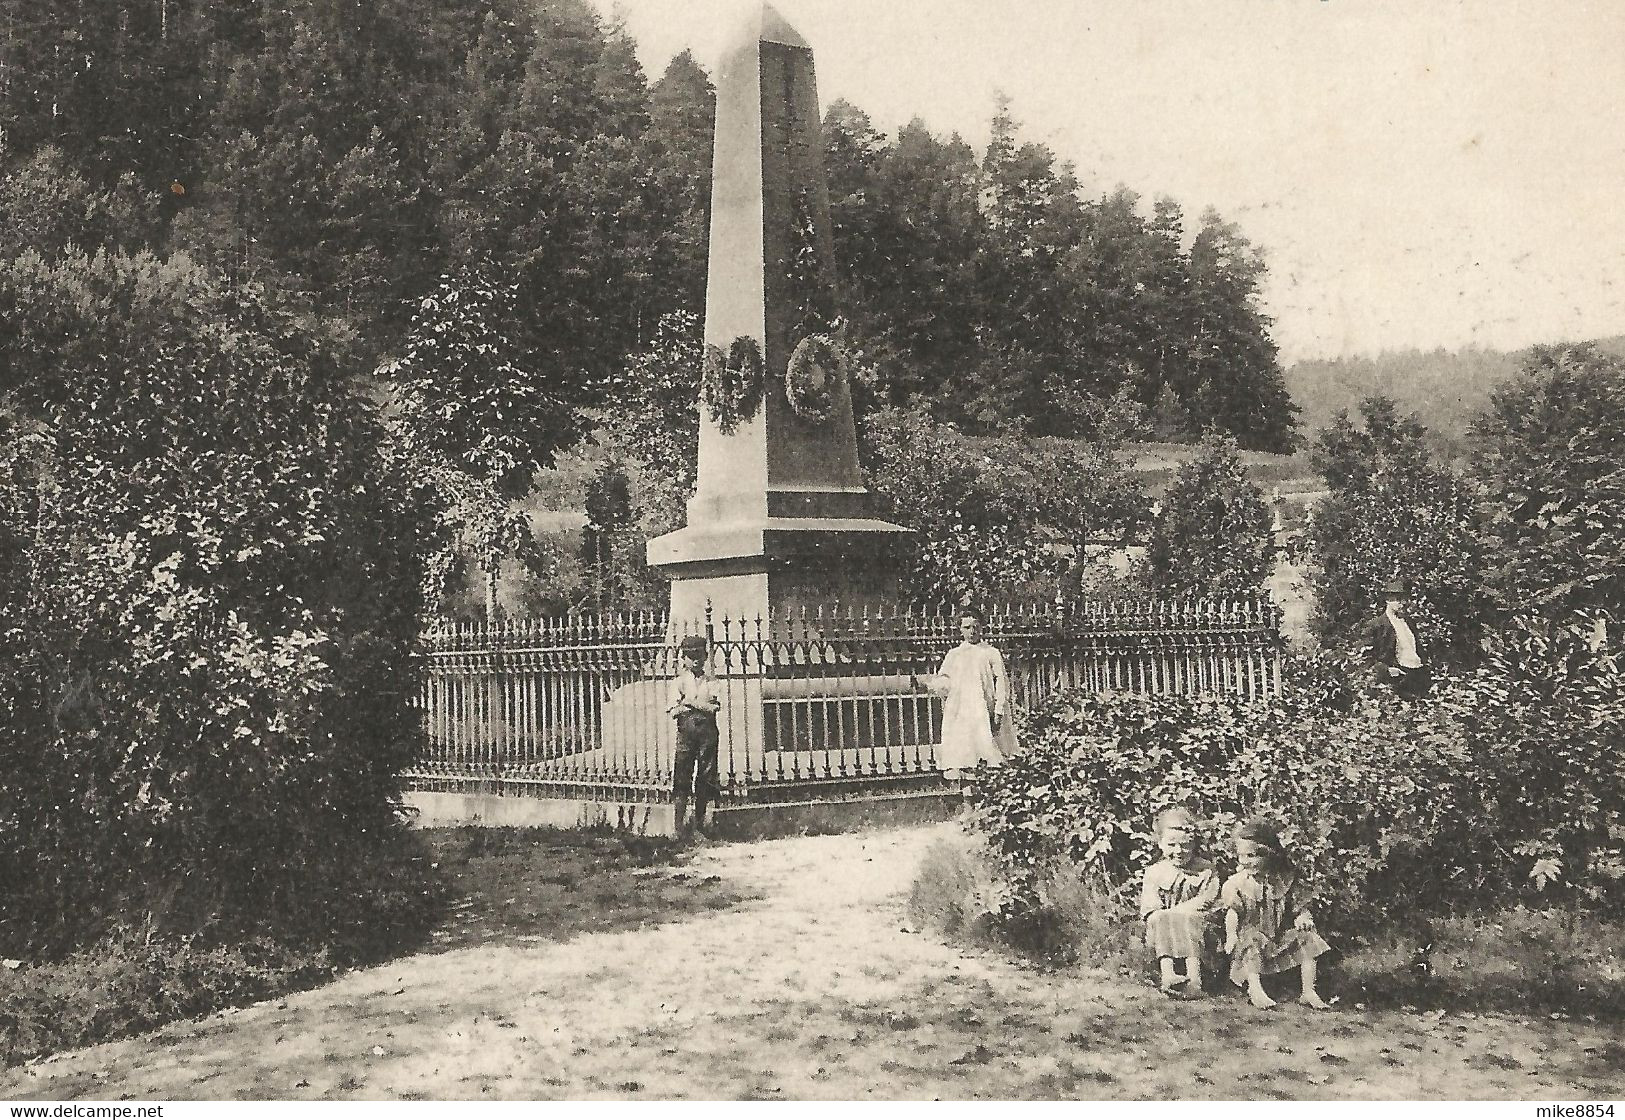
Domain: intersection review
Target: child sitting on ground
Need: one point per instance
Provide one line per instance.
(1177, 900)
(1267, 923)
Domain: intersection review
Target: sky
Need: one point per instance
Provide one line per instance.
(1420, 173)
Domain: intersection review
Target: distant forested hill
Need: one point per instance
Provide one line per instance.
(1448, 388)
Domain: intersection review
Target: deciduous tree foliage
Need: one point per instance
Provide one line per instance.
(211, 586)
(990, 523)
(1395, 513)
(1212, 535)
(651, 406)
(1551, 457)
(478, 414)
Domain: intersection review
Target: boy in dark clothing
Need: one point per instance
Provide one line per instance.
(695, 702)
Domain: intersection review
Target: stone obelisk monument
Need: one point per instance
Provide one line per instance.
(780, 518)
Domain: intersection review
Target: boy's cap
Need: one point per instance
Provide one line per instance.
(693, 647)
(1260, 831)
(1394, 589)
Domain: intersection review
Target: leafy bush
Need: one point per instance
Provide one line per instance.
(1395, 513)
(1549, 457)
(1508, 787)
(988, 511)
(1325, 681)
(211, 585)
(129, 982)
(1212, 535)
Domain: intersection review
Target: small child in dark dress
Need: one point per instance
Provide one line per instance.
(1267, 923)
(1177, 899)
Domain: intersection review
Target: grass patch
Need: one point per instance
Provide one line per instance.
(1512, 960)
(1518, 959)
(516, 885)
(439, 888)
(121, 985)
(133, 979)
(956, 894)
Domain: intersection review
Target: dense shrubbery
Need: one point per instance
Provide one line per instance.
(1549, 458)
(1533, 527)
(987, 511)
(1395, 512)
(211, 584)
(1212, 535)
(1508, 787)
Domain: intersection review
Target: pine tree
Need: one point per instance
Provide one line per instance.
(1236, 355)
(1170, 422)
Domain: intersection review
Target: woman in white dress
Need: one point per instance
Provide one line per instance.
(976, 723)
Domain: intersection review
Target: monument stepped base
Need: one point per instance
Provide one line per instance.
(869, 803)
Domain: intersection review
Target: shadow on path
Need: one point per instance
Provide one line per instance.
(805, 983)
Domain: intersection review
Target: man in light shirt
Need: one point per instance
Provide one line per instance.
(1394, 648)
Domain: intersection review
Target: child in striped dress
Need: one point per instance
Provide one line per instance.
(1177, 898)
(1268, 926)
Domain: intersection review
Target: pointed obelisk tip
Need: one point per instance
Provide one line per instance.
(774, 29)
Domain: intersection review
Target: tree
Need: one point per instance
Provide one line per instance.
(1170, 422)
(907, 232)
(477, 415)
(1549, 459)
(605, 539)
(211, 626)
(47, 205)
(654, 400)
(1394, 513)
(1232, 350)
(682, 118)
(1031, 213)
(991, 514)
(1212, 535)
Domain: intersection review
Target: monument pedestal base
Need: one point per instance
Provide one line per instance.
(778, 567)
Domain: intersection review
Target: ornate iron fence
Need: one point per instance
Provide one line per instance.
(575, 707)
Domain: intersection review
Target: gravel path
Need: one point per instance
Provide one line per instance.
(816, 990)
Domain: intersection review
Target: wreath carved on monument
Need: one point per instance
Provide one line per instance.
(731, 387)
(815, 374)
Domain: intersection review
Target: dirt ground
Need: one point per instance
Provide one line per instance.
(803, 981)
